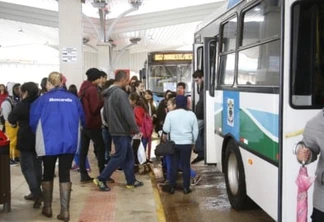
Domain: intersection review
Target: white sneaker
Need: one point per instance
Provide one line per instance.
(196, 180)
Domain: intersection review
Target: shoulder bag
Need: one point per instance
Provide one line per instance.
(165, 148)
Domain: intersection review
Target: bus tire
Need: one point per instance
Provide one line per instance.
(235, 177)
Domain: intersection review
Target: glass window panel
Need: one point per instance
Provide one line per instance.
(261, 22)
(260, 65)
(229, 35)
(307, 77)
(163, 77)
(227, 64)
(200, 58)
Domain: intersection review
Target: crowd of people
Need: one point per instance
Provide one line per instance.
(111, 114)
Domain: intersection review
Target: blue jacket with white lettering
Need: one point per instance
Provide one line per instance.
(56, 118)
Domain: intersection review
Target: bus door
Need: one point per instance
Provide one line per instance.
(303, 93)
(210, 54)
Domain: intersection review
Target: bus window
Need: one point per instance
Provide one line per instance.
(259, 64)
(229, 35)
(227, 55)
(212, 65)
(261, 22)
(307, 69)
(200, 58)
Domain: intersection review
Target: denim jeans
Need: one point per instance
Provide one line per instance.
(107, 141)
(77, 160)
(123, 158)
(96, 136)
(182, 155)
(167, 165)
(199, 146)
(31, 167)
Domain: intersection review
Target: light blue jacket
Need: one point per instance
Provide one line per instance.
(182, 126)
(56, 118)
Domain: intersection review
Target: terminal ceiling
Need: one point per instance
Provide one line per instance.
(159, 24)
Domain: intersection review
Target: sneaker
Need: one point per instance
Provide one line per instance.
(186, 190)
(86, 178)
(197, 159)
(168, 189)
(29, 197)
(102, 185)
(13, 163)
(196, 180)
(136, 184)
(165, 182)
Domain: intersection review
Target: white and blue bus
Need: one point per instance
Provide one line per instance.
(263, 69)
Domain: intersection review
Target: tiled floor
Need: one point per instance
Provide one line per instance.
(87, 203)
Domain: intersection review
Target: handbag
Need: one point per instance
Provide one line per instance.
(165, 149)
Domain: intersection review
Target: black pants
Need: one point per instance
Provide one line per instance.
(96, 136)
(135, 146)
(317, 216)
(65, 162)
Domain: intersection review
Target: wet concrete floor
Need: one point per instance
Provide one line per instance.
(208, 201)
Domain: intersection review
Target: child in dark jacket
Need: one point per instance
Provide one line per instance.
(31, 165)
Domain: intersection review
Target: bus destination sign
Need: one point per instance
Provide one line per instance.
(173, 57)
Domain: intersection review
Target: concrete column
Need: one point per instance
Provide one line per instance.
(70, 41)
(103, 58)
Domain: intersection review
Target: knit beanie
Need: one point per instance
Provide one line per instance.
(93, 74)
(181, 101)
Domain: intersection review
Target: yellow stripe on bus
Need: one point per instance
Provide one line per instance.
(293, 134)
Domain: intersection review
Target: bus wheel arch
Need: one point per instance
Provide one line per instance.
(235, 176)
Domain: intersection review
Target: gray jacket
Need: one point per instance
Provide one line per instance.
(313, 138)
(118, 113)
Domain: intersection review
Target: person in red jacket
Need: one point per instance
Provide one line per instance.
(140, 108)
(92, 103)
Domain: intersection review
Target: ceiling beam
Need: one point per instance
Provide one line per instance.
(164, 18)
(49, 18)
(27, 14)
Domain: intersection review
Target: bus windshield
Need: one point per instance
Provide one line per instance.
(166, 69)
(166, 77)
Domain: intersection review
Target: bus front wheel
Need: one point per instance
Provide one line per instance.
(235, 177)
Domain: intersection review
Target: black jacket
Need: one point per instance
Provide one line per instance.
(20, 116)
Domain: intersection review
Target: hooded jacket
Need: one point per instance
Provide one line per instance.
(56, 117)
(314, 140)
(91, 103)
(118, 112)
(11, 101)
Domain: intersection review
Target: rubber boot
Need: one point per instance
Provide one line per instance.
(47, 187)
(65, 194)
